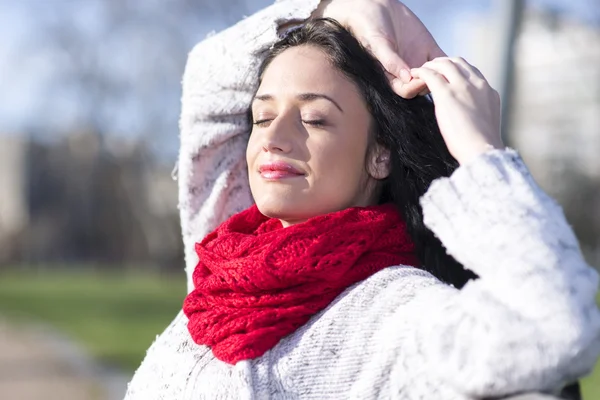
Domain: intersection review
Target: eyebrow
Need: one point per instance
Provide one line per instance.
(304, 97)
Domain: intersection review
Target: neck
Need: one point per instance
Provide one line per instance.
(289, 222)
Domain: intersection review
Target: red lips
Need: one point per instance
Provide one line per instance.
(279, 170)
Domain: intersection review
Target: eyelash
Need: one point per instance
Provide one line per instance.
(314, 122)
(261, 122)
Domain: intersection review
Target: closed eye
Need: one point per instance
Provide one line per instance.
(262, 123)
(315, 122)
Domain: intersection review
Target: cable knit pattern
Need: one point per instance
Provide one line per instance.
(257, 282)
(529, 323)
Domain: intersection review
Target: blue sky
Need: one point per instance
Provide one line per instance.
(23, 75)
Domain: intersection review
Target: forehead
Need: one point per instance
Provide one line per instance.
(304, 69)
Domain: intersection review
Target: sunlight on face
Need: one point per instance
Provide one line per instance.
(306, 154)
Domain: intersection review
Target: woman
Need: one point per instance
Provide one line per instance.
(330, 286)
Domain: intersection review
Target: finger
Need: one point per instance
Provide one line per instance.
(424, 92)
(395, 83)
(468, 68)
(445, 66)
(434, 80)
(409, 90)
(387, 55)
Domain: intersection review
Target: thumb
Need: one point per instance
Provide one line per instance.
(387, 55)
(436, 52)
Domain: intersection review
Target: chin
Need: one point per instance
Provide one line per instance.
(292, 205)
(280, 209)
(293, 211)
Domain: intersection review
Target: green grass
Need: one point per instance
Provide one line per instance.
(115, 317)
(590, 386)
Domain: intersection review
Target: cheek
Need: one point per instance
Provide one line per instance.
(253, 151)
(251, 155)
(250, 152)
(338, 164)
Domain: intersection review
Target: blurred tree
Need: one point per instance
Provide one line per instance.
(89, 206)
(579, 194)
(114, 69)
(116, 64)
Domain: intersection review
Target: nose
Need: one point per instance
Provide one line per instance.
(278, 137)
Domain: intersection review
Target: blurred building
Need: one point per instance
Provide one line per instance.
(13, 181)
(555, 121)
(86, 200)
(556, 118)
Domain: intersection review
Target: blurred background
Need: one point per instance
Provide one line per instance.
(91, 265)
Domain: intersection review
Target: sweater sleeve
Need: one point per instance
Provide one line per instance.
(530, 322)
(218, 84)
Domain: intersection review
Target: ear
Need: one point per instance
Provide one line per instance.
(379, 165)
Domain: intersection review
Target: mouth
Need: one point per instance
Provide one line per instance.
(279, 170)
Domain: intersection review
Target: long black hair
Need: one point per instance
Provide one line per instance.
(407, 128)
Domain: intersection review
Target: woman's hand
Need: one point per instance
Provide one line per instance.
(392, 32)
(466, 107)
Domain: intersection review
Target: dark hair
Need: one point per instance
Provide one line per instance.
(407, 128)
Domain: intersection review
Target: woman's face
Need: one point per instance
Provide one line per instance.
(306, 154)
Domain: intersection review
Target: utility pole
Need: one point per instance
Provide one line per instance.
(511, 19)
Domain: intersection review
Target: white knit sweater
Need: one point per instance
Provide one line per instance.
(529, 323)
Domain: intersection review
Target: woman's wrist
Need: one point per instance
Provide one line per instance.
(317, 13)
(477, 150)
(320, 11)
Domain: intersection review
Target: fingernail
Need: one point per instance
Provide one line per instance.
(405, 75)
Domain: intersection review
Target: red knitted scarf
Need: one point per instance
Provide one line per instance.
(257, 282)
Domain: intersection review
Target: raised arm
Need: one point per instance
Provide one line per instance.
(530, 322)
(218, 86)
